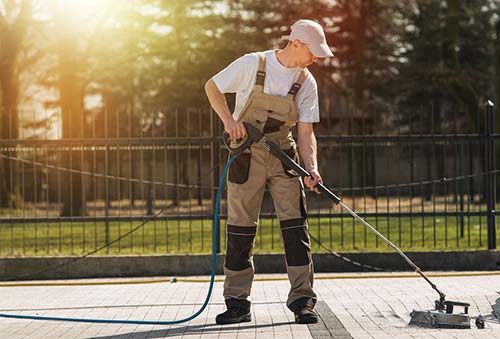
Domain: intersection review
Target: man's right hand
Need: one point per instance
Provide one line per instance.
(236, 130)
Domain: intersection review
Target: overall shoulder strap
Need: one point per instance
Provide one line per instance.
(298, 83)
(261, 72)
(259, 84)
(293, 114)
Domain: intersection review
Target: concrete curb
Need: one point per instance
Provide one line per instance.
(185, 265)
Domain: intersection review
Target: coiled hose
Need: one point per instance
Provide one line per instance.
(147, 322)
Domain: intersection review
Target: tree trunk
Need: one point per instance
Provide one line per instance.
(365, 158)
(71, 101)
(11, 38)
(9, 130)
(359, 50)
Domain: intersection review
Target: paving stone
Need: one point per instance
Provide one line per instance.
(357, 308)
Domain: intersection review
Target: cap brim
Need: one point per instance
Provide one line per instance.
(321, 51)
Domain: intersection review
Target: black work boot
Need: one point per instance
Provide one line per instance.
(305, 315)
(233, 315)
(303, 310)
(238, 311)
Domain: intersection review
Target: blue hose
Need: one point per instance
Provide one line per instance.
(145, 322)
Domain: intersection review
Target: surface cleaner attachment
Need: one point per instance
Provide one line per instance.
(442, 316)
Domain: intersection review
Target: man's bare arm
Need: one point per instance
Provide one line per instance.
(218, 101)
(308, 153)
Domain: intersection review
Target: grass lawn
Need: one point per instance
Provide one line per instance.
(195, 237)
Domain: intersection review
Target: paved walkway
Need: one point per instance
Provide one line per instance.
(360, 307)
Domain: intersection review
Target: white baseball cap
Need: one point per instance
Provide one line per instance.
(312, 33)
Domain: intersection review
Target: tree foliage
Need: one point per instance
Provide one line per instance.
(112, 67)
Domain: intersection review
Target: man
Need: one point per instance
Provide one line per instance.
(274, 92)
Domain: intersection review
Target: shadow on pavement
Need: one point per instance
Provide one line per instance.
(190, 330)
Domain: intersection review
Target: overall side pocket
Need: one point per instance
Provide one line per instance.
(240, 168)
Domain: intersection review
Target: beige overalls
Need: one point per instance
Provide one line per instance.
(248, 176)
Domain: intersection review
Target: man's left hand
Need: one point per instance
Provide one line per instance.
(313, 180)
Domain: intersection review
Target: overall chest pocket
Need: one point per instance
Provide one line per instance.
(265, 120)
(272, 107)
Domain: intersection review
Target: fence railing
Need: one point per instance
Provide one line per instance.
(149, 186)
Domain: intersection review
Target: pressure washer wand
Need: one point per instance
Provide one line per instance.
(417, 269)
(275, 150)
(254, 135)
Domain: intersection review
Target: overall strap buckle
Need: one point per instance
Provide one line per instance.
(259, 80)
(294, 89)
(297, 84)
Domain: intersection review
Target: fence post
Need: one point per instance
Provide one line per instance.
(490, 176)
(214, 133)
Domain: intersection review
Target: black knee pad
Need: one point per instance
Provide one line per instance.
(239, 247)
(296, 241)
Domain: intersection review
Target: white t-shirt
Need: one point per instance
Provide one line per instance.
(239, 77)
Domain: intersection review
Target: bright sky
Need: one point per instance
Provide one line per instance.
(2, 8)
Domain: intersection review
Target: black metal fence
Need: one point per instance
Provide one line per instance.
(146, 183)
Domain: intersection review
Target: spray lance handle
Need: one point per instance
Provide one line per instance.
(236, 146)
